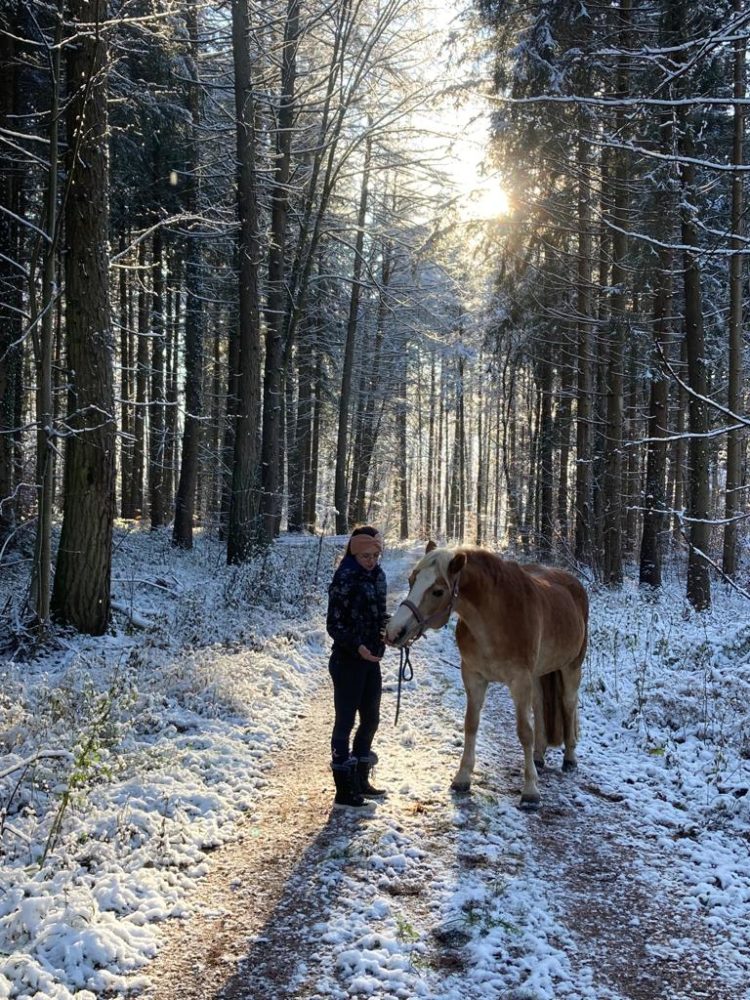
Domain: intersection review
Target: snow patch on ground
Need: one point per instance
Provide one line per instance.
(128, 759)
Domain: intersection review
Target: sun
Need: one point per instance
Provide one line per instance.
(485, 202)
(480, 195)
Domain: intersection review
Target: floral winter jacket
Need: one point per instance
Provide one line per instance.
(356, 608)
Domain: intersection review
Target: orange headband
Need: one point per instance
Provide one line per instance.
(358, 543)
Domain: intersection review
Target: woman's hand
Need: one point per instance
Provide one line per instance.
(365, 654)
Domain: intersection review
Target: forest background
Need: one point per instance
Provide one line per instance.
(250, 280)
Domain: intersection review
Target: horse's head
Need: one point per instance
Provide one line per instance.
(433, 588)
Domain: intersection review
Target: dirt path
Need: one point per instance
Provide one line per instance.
(255, 931)
(238, 921)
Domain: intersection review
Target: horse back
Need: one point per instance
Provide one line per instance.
(560, 578)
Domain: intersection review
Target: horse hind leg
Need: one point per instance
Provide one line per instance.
(571, 681)
(540, 729)
(476, 689)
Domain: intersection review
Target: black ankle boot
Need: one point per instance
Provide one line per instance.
(347, 787)
(364, 766)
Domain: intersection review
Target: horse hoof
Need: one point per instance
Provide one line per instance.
(570, 765)
(530, 803)
(460, 786)
(539, 764)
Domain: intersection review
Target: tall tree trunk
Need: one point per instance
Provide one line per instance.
(513, 503)
(401, 460)
(243, 529)
(677, 489)
(564, 422)
(483, 448)
(698, 481)
(311, 477)
(11, 277)
(171, 391)
(273, 383)
(156, 405)
(369, 418)
(213, 468)
(440, 507)
(127, 369)
(45, 465)
(546, 526)
(658, 421)
(613, 478)
(698, 484)
(457, 501)
(141, 387)
(599, 366)
(182, 534)
(300, 454)
(632, 479)
(431, 454)
(735, 439)
(584, 411)
(81, 595)
(342, 443)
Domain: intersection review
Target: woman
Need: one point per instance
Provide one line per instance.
(356, 622)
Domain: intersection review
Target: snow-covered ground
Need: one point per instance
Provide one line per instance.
(126, 759)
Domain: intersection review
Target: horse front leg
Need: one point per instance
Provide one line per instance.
(522, 694)
(476, 689)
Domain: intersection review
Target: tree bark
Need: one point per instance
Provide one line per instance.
(276, 308)
(182, 534)
(157, 425)
(127, 369)
(735, 439)
(342, 443)
(698, 484)
(81, 595)
(698, 472)
(11, 279)
(584, 457)
(658, 420)
(613, 478)
(243, 529)
(369, 419)
(546, 526)
(44, 347)
(141, 387)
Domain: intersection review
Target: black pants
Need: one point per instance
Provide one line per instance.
(357, 687)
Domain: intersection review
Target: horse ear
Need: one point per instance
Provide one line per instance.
(457, 563)
(430, 546)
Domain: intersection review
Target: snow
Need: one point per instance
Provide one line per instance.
(129, 758)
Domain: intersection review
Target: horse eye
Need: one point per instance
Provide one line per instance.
(438, 592)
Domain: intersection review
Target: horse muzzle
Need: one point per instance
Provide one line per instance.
(403, 633)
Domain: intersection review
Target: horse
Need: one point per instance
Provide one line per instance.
(523, 625)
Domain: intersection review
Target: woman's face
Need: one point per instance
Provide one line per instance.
(369, 558)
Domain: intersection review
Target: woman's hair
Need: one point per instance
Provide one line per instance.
(364, 529)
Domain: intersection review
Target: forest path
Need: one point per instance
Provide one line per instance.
(253, 933)
(438, 895)
(236, 907)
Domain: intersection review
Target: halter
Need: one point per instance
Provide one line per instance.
(405, 669)
(424, 623)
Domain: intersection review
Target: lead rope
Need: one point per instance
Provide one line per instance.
(405, 673)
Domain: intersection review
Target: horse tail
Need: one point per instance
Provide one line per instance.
(552, 702)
